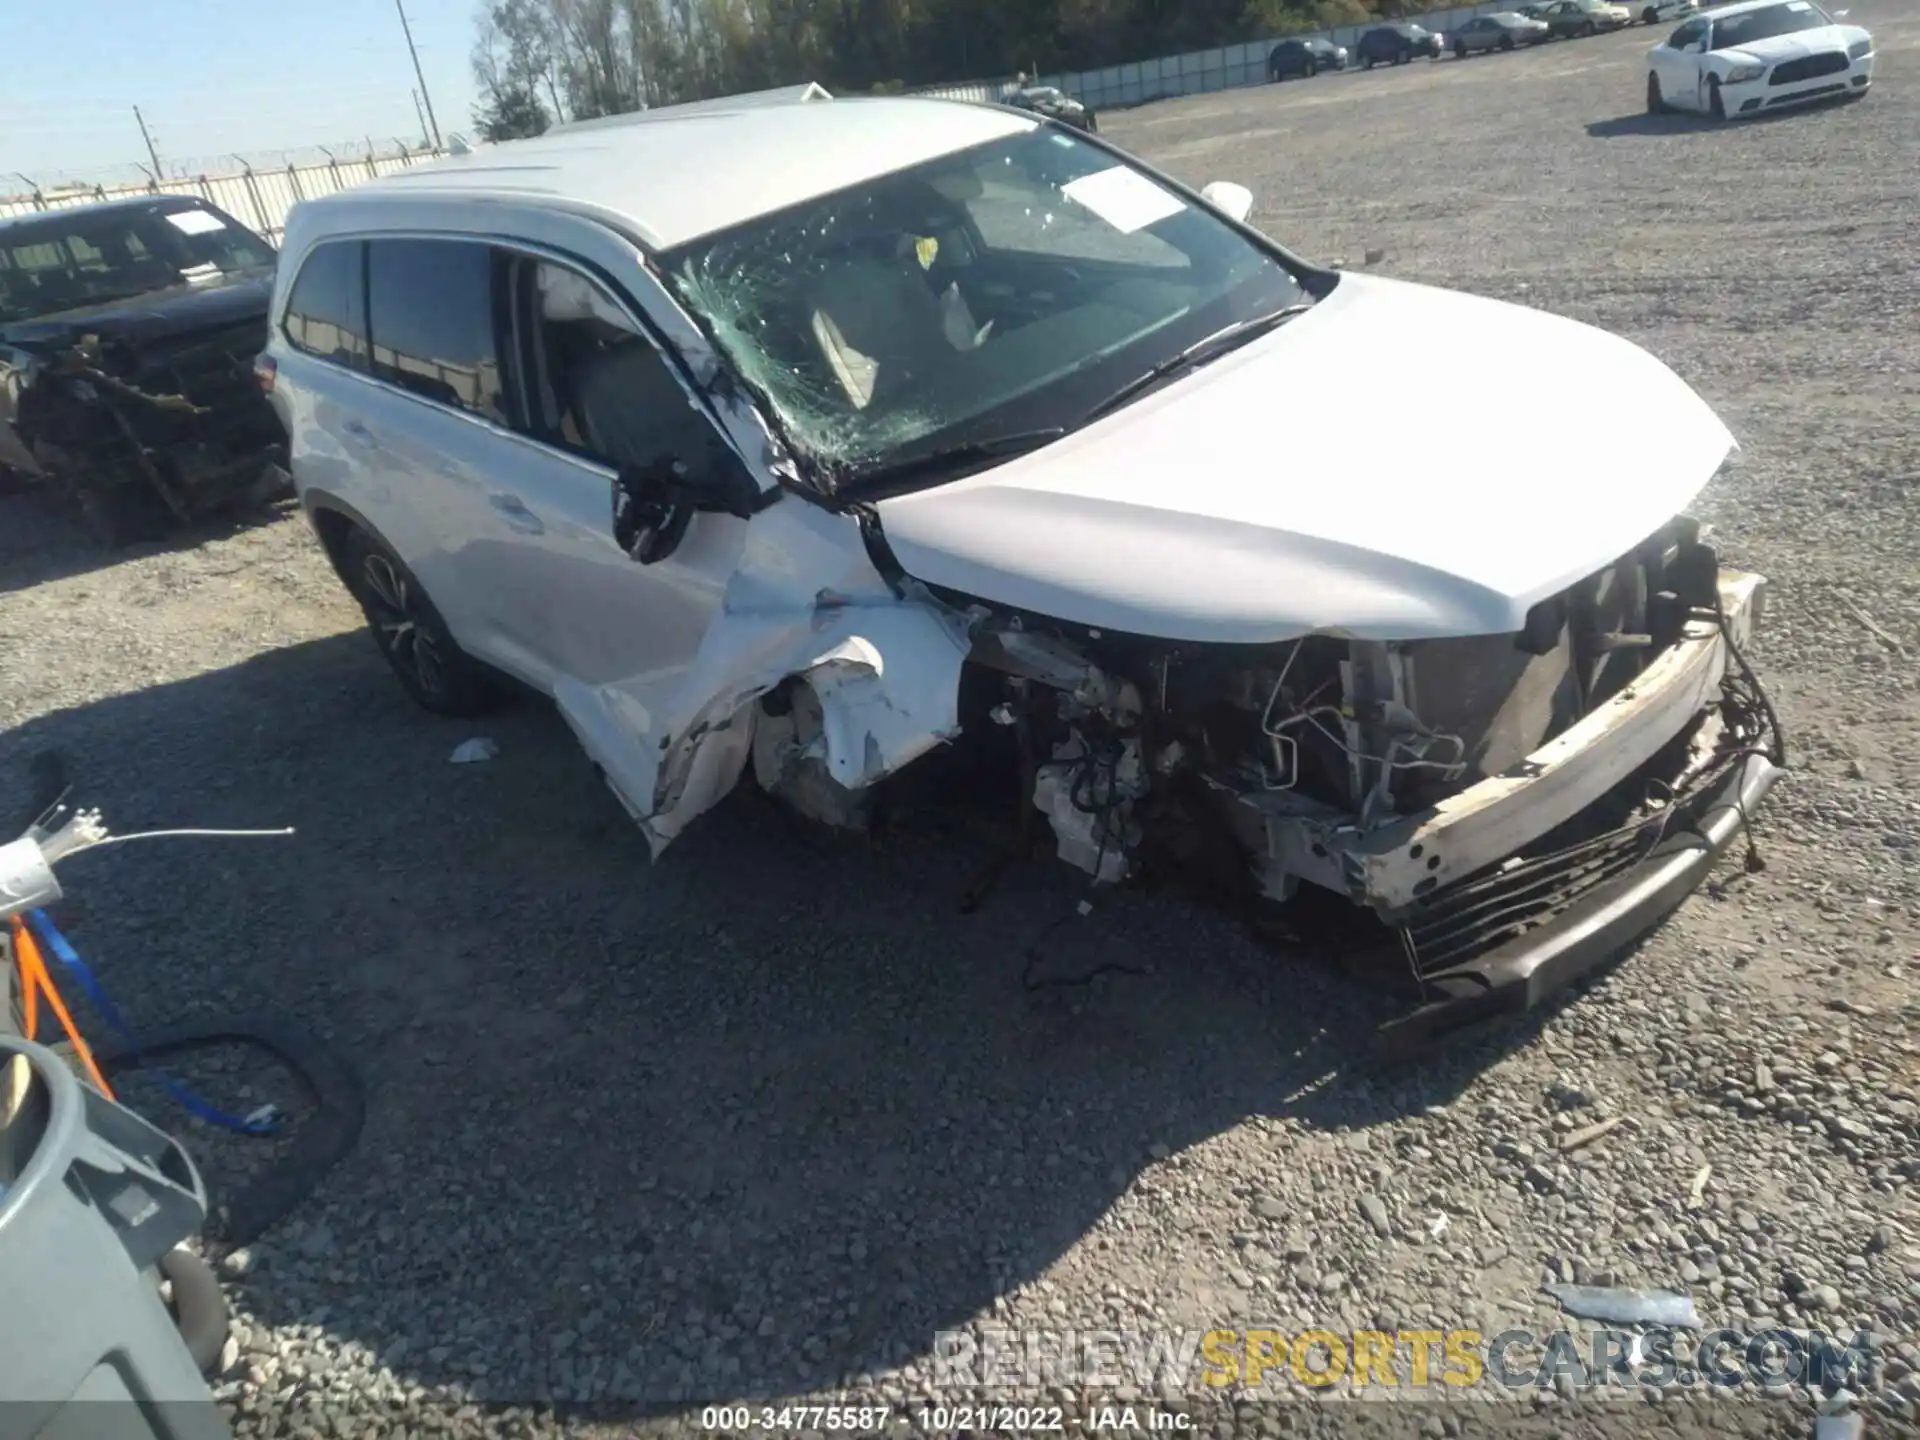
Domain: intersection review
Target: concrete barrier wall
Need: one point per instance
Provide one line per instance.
(1199, 72)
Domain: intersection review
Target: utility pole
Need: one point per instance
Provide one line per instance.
(152, 154)
(433, 125)
(417, 115)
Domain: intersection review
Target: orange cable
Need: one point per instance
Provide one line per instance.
(34, 977)
(29, 992)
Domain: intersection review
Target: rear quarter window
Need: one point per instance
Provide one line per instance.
(326, 311)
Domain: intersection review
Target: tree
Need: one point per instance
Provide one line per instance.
(514, 59)
(600, 57)
(513, 113)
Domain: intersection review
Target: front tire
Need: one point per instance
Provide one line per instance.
(1506, 42)
(1656, 102)
(1313, 69)
(1649, 17)
(436, 673)
(1459, 51)
(1716, 107)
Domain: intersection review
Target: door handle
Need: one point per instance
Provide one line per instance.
(517, 514)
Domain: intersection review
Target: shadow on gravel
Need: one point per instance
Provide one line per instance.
(1628, 126)
(40, 544)
(766, 1114)
(1642, 124)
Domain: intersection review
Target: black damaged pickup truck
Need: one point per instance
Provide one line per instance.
(128, 332)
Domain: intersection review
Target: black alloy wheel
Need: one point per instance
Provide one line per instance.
(434, 671)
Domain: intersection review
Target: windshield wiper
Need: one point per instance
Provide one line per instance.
(1213, 346)
(944, 462)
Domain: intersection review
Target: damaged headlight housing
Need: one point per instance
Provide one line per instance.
(1742, 73)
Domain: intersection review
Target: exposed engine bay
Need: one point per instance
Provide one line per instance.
(139, 437)
(1462, 789)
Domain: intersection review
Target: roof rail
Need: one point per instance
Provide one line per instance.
(752, 99)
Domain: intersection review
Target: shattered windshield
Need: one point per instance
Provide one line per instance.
(68, 260)
(1743, 29)
(1005, 288)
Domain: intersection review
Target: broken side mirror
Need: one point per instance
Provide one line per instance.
(652, 507)
(654, 503)
(1233, 201)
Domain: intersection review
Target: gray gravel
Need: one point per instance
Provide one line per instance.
(758, 1122)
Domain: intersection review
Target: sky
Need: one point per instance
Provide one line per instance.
(218, 77)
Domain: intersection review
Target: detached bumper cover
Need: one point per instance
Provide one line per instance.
(1521, 973)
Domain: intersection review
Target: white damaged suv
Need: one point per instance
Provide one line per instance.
(749, 434)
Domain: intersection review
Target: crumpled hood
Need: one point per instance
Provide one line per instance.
(1800, 43)
(155, 315)
(1399, 462)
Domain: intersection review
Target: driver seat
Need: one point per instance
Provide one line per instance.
(880, 327)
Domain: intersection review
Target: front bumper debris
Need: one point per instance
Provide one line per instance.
(1518, 975)
(1401, 865)
(148, 436)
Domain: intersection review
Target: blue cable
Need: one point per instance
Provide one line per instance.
(64, 952)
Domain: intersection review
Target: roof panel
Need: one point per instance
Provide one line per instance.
(679, 173)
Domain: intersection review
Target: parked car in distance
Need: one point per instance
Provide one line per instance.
(1397, 44)
(1054, 104)
(128, 331)
(1655, 12)
(1305, 58)
(1741, 60)
(839, 442)
(1502, 30)
(1566, 19)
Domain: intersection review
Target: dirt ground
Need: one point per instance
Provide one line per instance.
(758, 1121)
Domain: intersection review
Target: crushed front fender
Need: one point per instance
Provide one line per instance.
(883, 666)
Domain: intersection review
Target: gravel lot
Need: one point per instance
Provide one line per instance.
(764, 1118)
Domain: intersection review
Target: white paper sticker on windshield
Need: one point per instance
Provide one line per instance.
(195, 222)
(1125, 199)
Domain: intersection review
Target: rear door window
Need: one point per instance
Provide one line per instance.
(326, 313)
(434, 318)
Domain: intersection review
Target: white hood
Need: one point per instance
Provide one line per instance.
(1794, 46)
(1370, 469)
